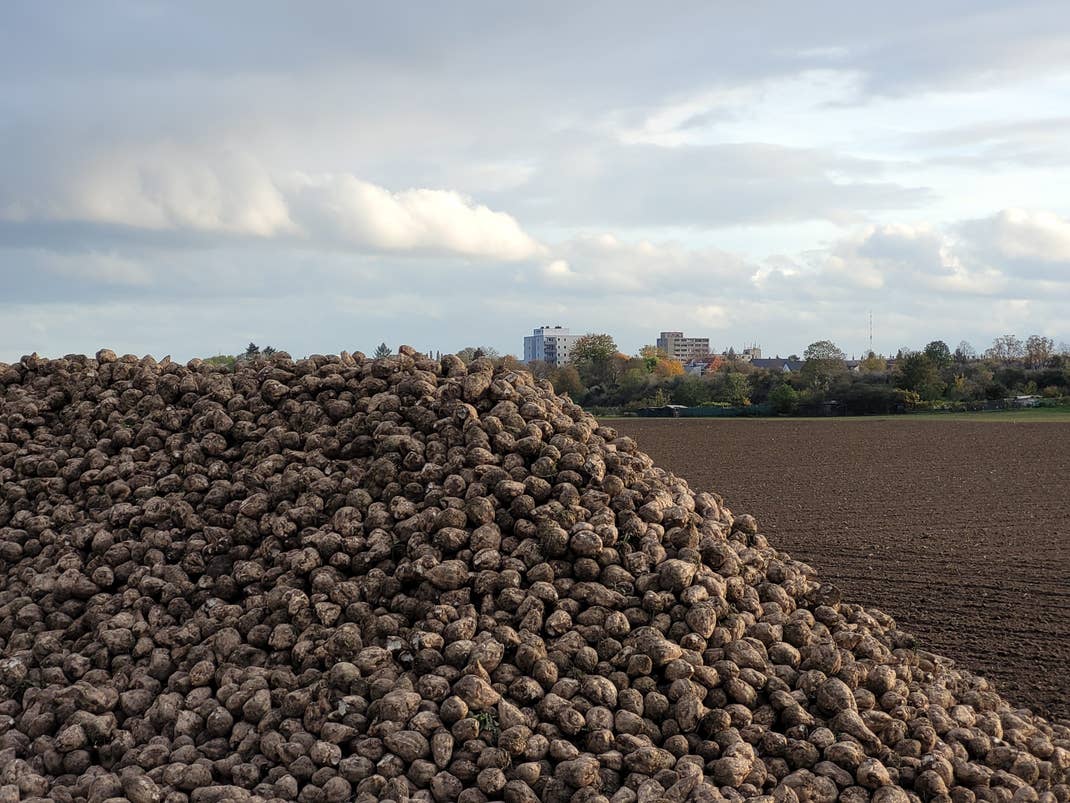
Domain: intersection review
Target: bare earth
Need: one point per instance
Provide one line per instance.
(959, 529)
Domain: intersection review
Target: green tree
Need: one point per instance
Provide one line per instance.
(762, 383)
(691, 390)
(784, 398)
(824, 361)
(868, 396)
(959, 389)
(659, 399)
(734, 388)
(918, 373)
(568, 381)
(252, 351)
(995, 391)
(383, 350)
(938, 353)
(226, 360)
(593, 356)
(823, 350)
(650, 356)
(873, 364)
(593, 348)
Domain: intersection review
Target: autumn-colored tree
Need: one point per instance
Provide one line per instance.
(666, 367)
(714, 363)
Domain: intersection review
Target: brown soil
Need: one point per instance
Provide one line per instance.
(961, 530)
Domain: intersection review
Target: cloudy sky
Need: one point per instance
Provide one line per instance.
(182, 178)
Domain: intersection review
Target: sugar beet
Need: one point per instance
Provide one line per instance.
(346, 579)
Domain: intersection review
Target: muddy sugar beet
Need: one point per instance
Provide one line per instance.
(340, 579)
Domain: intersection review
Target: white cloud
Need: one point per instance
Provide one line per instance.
(909, 257)
(166, 188)
(1023, 234)
(354, 211)
(995, 256)
(558, 271)
(858, 272)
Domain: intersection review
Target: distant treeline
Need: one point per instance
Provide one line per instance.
(935, 377)
(600, 377)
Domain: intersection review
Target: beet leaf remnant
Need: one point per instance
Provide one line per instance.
(340, 579)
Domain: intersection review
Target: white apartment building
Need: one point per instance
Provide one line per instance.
(681, 348)
(552, 344)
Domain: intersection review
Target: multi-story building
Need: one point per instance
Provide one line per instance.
(681, 348)
(552, 344)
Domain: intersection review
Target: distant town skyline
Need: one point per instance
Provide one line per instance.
(333, 176)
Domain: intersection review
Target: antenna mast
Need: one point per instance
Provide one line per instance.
(871, 332)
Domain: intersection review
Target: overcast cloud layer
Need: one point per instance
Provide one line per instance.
(182, 178)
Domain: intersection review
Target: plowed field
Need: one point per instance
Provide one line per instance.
(959, 529)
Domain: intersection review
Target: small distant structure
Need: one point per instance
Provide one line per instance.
(552, 344)
(681, 348)
(665, 411)
(778, 364)
(1029, 400)
(696, 367)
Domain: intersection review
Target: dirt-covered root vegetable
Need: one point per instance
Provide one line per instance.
(341, 579)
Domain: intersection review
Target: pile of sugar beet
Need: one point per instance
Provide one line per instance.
(343, 579)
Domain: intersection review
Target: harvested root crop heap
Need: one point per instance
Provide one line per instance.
(342, 579)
